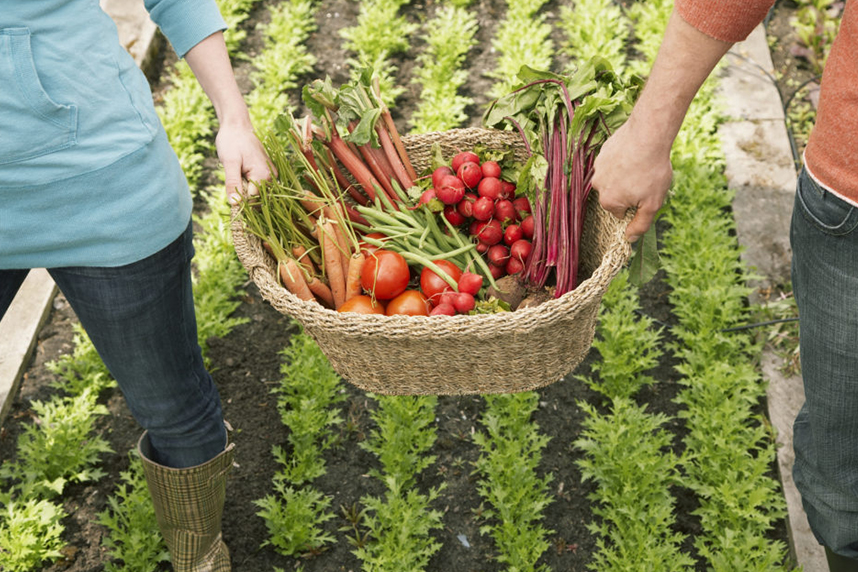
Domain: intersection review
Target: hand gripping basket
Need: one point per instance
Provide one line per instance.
(454, 355)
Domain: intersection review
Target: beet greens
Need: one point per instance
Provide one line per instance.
(563, 121)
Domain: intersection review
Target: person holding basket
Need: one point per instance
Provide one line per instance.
(634, 170)
(91, 190)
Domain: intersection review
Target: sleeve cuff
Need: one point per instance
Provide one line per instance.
(186, 22)
(727, 20)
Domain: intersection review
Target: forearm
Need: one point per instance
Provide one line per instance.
(210, 63)
(685, 59)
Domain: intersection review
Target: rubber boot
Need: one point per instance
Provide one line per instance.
(838, 563)
(189, 507)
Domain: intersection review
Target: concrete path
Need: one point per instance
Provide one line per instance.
(759, 167)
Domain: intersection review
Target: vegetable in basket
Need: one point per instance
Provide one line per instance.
(563, 121)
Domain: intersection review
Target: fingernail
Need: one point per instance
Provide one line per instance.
(234, 199)
(633, 238)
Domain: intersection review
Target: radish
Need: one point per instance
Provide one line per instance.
(427, 196)
(470, 174)
(470, 283)
(497, 271)
(466, 205)
(490, 187)
(443, 310)
(453, 215)
(464, 157)
(451, 190)
(482, 247)
(490, 232)
(491, 169)
(498, 254)
(446, 297)
(507, 190)
(522, 206)
(504, 211)
(520, 250)
(512, 233)
(514, 266)
(527, 226)
(464, 302)
(439, 174)
(483, 209)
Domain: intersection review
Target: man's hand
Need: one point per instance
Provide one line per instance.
(633, 167)
(629, 173)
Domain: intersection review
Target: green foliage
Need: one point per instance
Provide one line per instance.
(400, 526)
(510, 452)
(132, 541)
(649, 20)
(58, 447)
(627, 343)
(816, 23)
(82, 369)
(450, 35)
(294, 519)
(219, 272)
(405, 432)
(522, 38)
(627, 455)
(307, 394)
(379, 34)
(30, 534)
(283, 60)
(594, 28)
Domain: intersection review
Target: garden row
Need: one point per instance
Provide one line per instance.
(634, 463)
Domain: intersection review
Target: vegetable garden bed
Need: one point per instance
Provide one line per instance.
(247, 364)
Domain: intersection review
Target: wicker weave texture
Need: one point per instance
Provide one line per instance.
(457, 355)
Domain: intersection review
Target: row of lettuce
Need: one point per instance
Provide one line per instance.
(627, 452)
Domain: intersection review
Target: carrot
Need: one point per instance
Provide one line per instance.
(294, 281)
(300, 254)
(321, 291)
(333, 263)
(356, 263)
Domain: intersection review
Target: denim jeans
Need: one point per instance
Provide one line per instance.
(824, 238)
(140, 317)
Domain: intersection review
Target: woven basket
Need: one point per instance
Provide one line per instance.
(505, 352)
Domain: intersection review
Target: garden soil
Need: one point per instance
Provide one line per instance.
(246, 367)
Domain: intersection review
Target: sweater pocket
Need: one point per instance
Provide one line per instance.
(32, 124)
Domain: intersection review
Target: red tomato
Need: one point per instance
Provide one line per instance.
(367, 248)
(362, 304)
(385, 274)
(409, 303)
(433, 285)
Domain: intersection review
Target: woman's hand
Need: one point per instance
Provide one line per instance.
(243, 158)
(239, 150)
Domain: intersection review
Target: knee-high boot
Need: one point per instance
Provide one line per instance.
(189, 507)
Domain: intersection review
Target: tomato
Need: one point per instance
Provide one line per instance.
(368, 248)
(409, 303)
(362, 304)
(385, 274)
(433, 285)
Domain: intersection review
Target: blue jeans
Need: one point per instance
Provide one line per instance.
(824, 238)
(140, 317)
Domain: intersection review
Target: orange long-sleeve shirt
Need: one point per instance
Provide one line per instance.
(831, 156)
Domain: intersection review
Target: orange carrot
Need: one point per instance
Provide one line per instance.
(300, 254)
(356, 263)
(333, 263)
(294, 280)
(322, 292)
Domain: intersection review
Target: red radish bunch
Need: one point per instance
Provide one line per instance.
(475, 195)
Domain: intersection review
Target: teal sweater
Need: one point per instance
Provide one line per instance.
(87, 177)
